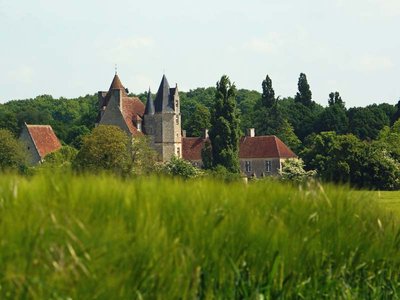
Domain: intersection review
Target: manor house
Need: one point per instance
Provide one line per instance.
(160, 119)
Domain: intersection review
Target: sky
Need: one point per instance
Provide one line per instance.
(70, 48)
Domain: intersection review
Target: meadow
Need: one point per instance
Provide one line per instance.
(100, 237)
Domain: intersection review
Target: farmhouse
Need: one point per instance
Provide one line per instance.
(160, 119)
(39, 141)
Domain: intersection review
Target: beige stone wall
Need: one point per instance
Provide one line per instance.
(113, 114)
(33, 155)
(258, 166)
(168, 133)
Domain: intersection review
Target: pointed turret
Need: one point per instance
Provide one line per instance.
(162, 101)
(149, 110)
(116, 83)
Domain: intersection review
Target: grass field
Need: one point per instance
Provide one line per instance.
(390, 200)
(99, 237)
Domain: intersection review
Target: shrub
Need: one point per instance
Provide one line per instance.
(182, 168)
(105, 149)
(12, 153)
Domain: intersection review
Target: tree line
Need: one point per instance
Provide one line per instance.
(355, 145)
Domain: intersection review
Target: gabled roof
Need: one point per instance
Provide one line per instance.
(149, 110)
(132, 110)
(264, 147)
(162, 101)
(44, 138)
(249, 147)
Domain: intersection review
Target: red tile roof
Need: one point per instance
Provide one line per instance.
(249, 147)
(132, 109)
(264, 147)
(191, 148)
(44, 139)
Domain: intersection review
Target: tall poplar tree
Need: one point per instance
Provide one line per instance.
(268, 94)
(225, 131)
(304, 95)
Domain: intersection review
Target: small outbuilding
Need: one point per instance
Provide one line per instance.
(39, 141)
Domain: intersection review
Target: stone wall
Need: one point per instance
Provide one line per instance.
(258, 166)
(33, 155)
(113, 115)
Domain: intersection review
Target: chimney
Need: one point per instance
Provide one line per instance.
(184, 133)
(251, 132)
(205, 134)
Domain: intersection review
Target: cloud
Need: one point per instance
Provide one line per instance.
(125, 50)
(22, 75)
(267, 45)
(372, 8)
(375, 63)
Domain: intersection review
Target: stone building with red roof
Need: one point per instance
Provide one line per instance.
(161, 121)
(39, 141)
(258, 155)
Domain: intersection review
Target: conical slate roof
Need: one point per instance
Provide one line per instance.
(161, 103)
(149, 110)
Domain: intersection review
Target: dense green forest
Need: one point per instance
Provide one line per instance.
(343, 144)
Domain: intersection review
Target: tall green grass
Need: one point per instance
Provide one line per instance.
(99, 237)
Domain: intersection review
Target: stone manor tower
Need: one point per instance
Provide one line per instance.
(162, 121)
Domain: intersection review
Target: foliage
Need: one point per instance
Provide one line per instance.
(390, 138)
(293, 170)
(336, 99)
(61, 158)
(76, 237)
(144, 158)
(225, 131)
(12, 152)
(346, 159)
(222, 174)
(301, 117)
(304, 95)
(333, 118)
(105, 149)
(181, 168)
(198, 120)
(206, 155)
(69, 118)
(366, 122)
(268, 94)
(286, 133)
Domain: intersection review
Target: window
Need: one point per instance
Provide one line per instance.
(248, 166)
(268, 166)
(176, 103)
(177, 120)
(178, 152)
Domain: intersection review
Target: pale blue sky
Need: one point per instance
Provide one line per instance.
(69, 48)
